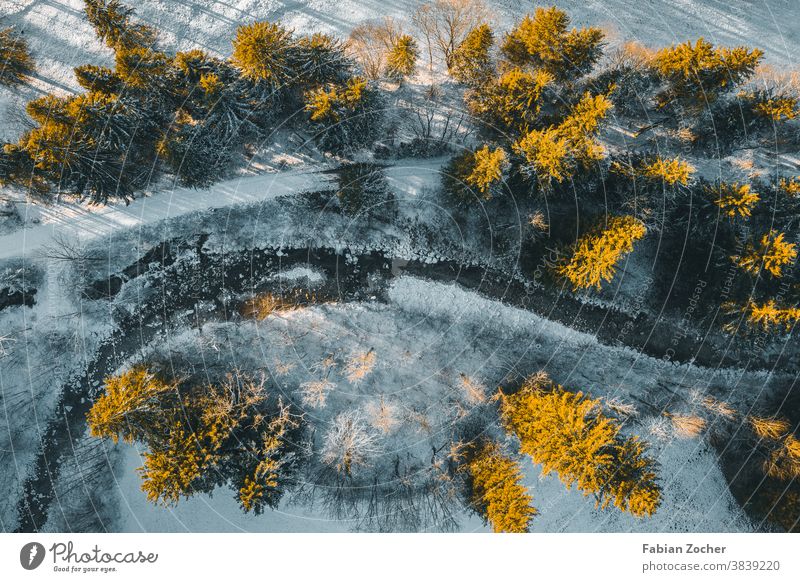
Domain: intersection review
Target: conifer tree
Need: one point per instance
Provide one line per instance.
(545, 42)
(512, 102)
(320, 59)
(775, 107)
(554, 154)
(472, 59)
(401, 59)
(772, 254)
(475, 174)
(790, 186)
(667, 171)
(769, 316)
(595, 255)
(113, 24)
(734, 199)
(98, 79)
(264, 53)
(700, 72)
(567, 433)
(346, 117)
(16, 62)
(497, 490)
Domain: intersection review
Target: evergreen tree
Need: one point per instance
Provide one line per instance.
(401, 59)
(472, 59)
(512, 102)
(99, 79)
(113, 24)
(775, 107)
(698, 73)
(320, 59)
(345, 117)
(200, 436)
(772, 254)
(264, 53)
(658, 169)
(595, 255)
(567, 433)
(769, 316)
(362, 188)
(477, 174)
(497, 490)
(544, 42)
(555, 154)
(16, 62)
(734, 199)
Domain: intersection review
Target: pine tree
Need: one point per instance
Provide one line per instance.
(16, 62)
(667, 171)
(497, 490)
(698, 73)
(113, 24)
(143, 68)
(98, 79)
(477, 174)
(362, 188)
(772, 254)
(790, 186)
(769, 316)
(555, 154)
(775, 107)
(568, 434)
(472, 59)
(734, 199)
(512, 102)
(346, 117)
(595, 255)
(401, 59)
(544, 42)
(320, 59)
(264, 52)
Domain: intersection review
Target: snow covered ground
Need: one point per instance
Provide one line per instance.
(425, 340)
(428, 335)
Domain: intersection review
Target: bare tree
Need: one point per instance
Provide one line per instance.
(370, 41)
(444, 24)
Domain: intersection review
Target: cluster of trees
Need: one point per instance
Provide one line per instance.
(189, 112)
(200, 436)
(568, 433)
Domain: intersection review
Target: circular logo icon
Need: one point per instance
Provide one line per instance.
(31, 555)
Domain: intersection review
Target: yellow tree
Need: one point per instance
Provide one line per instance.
(199, 436)
(472, 60)
(699, 72)
(478, 172)
(544, 41)
(263, 52)
(595, 255)
(734, 199)
(497, 490)
(556, 153)
(772, 254)
(16, 62)
(769, 316)
(567, 433)
(401, 59)
(512, 101)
